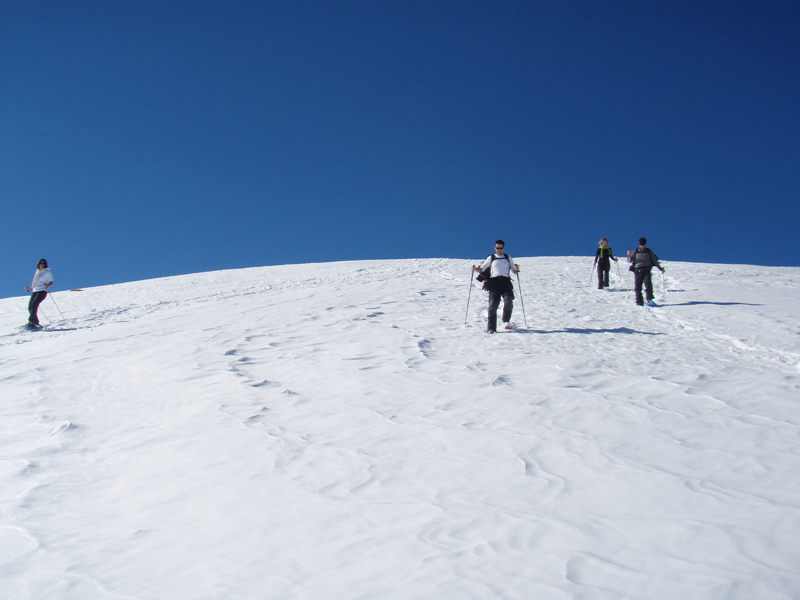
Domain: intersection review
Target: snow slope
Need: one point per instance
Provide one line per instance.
(336, 431)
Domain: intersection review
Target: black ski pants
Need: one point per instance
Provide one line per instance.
(603, 268)
(33, 306)
(500, 288)
(643, 277)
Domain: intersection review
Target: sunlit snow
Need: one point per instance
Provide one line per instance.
(336, 431)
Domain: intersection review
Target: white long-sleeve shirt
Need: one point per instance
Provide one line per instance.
(40, 279)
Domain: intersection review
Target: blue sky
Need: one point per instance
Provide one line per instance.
(145, 139)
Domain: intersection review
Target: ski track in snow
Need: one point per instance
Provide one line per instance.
(337, 431)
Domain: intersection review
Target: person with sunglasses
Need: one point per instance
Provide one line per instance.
(496, 270)
(42, 280)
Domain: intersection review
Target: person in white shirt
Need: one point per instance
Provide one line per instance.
(42, 280)
(496, 270)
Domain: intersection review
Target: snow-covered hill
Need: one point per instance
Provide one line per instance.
(336, 431)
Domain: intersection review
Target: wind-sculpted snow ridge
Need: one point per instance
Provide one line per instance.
(338, 431)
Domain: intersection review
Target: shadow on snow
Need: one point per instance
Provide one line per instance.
(626, 330)
(696, 302)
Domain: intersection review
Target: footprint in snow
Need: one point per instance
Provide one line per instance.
(501, 380)
(264, 383)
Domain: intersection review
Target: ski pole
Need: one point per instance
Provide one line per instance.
(664, 282)
(522, 301)
(56, 303)
(471, 276)
(619, 275)
(590, 276)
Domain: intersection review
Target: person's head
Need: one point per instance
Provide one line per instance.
(42, 264)
(604, 242)
(642, 242)
(499, 246)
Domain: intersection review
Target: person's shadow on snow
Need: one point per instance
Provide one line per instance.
(586, 331)
(696, 302)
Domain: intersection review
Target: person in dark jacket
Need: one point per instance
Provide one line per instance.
(602, 260)
(642, 262)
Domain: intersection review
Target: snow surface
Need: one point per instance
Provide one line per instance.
(336, 431)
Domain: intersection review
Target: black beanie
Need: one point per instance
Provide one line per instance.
(643, 241)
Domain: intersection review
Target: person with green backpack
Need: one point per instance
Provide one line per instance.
(602, 260)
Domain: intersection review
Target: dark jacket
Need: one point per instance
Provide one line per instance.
(643, 259)
(604, 255)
